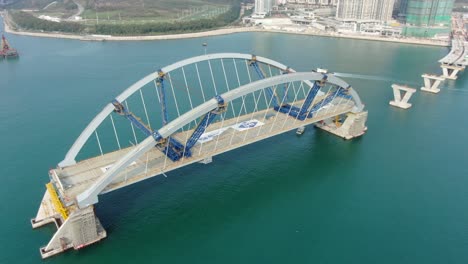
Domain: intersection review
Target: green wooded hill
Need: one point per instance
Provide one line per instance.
(129, 17)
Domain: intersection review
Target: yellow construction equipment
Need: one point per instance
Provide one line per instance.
(56, 201)
(337, 121)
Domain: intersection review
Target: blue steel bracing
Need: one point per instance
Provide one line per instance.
(311, 95)
(345, 94)
(121, 110)
(137, 122)
(162, 97)
(170, 153)
(173, 149)
(260, 74)
(205, 122)
(220, 100)
(340, 91)
(285, 97)
(300, 113)
(176, 150)
(200, 129)
(157, 136)
(288, 109)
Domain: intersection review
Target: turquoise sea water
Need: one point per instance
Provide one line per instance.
(396, 195)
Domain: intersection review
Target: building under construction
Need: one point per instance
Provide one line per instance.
(427, 18)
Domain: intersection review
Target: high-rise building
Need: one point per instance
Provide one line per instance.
(328, 2)
(401, 7)
(263, 6)
(429, 12)
(380, 10)
(384, 10)
(427, 18)
(313, 2)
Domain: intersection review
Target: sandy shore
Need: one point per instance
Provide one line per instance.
(217, 32)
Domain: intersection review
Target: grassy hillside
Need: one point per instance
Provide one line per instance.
(153, 10)
(129, 17)
(128, 11)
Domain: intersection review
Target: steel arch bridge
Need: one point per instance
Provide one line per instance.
(206, 105)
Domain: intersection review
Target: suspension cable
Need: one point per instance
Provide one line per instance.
(98, 141)
(115, 131)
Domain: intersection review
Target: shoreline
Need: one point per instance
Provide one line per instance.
(217, 32)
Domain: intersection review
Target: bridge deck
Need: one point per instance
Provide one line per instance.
(458, 54)
(73, 180)
(459, 51)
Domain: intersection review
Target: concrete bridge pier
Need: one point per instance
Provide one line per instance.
(75, 230)
(79, 230)
(399, 101)
(353, 126)
(432, 83)
(451, 71)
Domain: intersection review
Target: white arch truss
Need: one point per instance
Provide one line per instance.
(70, 157)
(89, 196)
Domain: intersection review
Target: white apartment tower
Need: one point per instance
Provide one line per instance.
(384, 10)
(328, 2)
(313, 2)
(380, 10)
(263, 6)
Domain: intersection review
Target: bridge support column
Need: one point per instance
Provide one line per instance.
(402, 102)
(80, 229)
(353, 126)
(450, 71)
(432, 83)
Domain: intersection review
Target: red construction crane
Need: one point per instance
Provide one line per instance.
(6, 51)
